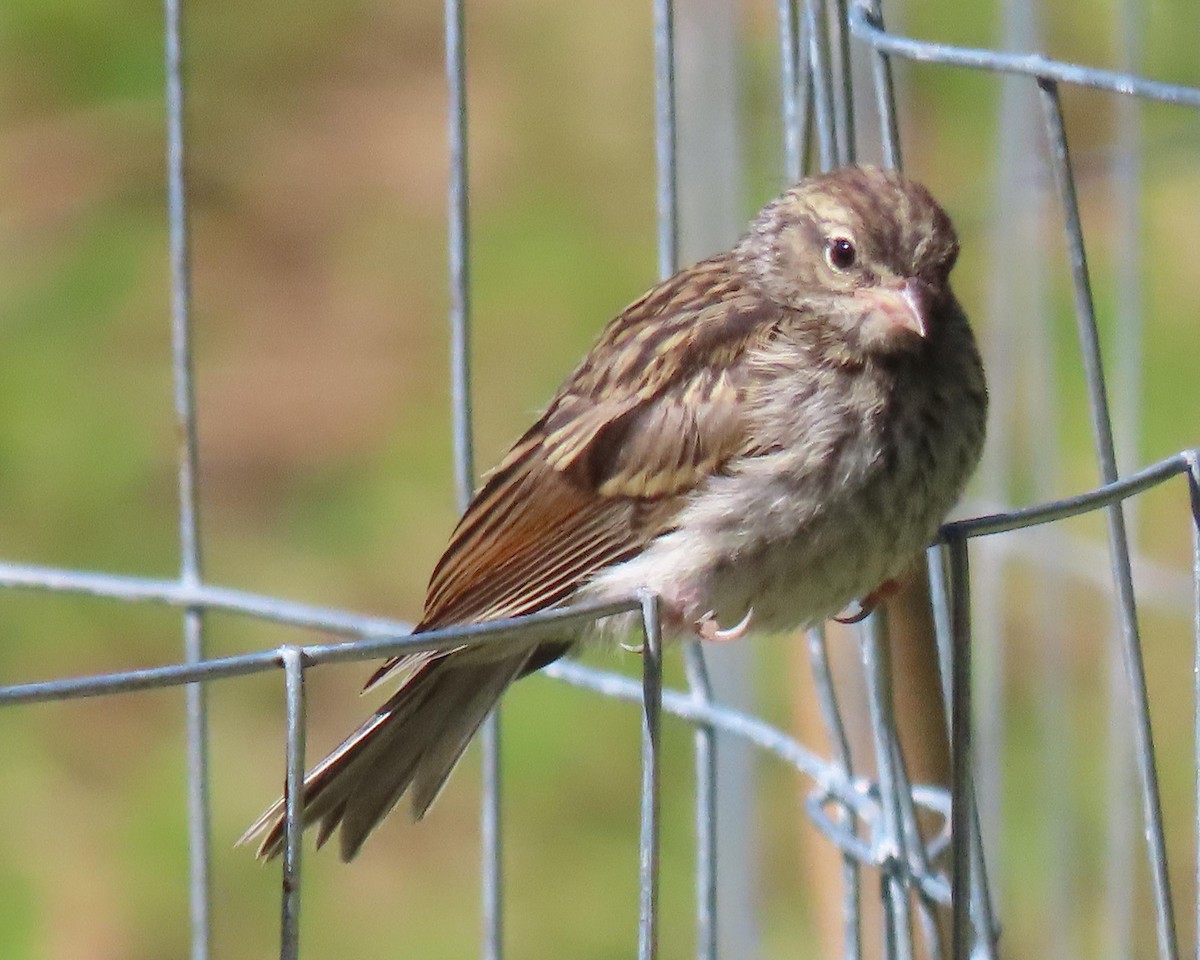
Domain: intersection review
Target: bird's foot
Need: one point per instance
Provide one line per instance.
(708, 628)
(865, 609)
(868, 604)
(674, 619)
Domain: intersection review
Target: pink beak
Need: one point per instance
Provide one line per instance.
(905, 306)
(908, 306)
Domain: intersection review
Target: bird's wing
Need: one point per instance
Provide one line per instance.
(654, 409)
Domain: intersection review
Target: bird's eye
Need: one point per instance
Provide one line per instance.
(841, 253)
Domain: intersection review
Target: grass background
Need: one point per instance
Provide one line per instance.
(318, 167)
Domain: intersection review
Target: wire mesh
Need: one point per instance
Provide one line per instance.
(871, 821)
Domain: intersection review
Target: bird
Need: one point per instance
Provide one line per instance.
(760, 440)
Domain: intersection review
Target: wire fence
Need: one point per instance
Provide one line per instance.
(871, 821)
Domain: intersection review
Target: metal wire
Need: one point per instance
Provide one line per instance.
(293, 678)
(706, 807)
(665, 133)
(199, 818)
(1031, 65)
(871, 822)
(651, 804)
(842, 762)
(897, 934)
(458, 219)
(1194, 503)
(960, 748)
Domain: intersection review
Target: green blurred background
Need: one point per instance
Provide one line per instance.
(318, 167)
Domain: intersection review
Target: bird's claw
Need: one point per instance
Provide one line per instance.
(867, 605)
(709, 629)
(865, 608)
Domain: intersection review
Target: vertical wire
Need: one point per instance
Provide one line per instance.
(917, 861)
(665, 138)
(460, 264)
(831, 714)
(818, 56)
(1127, 382)
(823, 59)
(648, 847)
(885, 92)
(987, 932)
(960, 750)
(1127, 344)
(199, 843)
(458, 216)
(939, 595)
(293, 799)
(1194, 502)
(796, 89)
(987, 929)
(843, 88)
(667, 196)
(706, 808)
(490, 839)
(1118, 542)
(893, 853)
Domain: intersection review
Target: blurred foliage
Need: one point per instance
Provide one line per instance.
(318, 165)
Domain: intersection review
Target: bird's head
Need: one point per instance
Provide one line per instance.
(864, 249)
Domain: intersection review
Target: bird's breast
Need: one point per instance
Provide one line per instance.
(848, 481)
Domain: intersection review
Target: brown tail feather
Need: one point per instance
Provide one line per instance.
(415, 739)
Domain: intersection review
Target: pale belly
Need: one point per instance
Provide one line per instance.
(749, 548)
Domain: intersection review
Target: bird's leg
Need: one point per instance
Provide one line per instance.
(673, 620)
(708, 628)
(867, 605)
(677, 615)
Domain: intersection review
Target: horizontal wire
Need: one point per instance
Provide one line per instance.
(331, 620)
(1103, 496)
(863, 26)
(381, 637)
(532, 626)
(174, 593)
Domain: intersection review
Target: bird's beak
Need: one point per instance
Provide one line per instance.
(899, 309)
(909, 305)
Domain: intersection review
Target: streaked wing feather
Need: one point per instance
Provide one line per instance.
(556, 536)
(653, 410)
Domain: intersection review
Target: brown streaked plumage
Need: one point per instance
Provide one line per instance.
(760, 439)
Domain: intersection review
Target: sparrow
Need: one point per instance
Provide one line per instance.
(761, 439)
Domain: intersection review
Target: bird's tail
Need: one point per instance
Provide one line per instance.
(411, 743)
